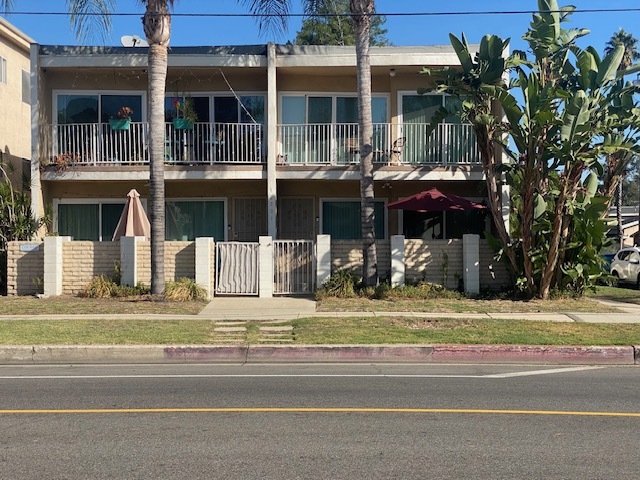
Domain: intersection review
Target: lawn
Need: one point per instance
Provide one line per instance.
(624, 293)
(358, 330)
(65, 305)
(460, 305)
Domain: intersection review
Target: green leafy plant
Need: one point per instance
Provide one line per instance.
(184, 290)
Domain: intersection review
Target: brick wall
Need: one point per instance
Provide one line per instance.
(25, 270)
(494, 275)
(83, 261)
(179, 261)
(348, 254)
(436, 261)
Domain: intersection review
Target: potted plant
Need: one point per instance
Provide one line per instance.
(122, 120)
(186, 114)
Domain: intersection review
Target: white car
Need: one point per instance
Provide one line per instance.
(626, 265)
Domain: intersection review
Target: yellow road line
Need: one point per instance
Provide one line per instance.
(318, 410)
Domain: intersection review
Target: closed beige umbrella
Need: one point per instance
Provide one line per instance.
(133, 221)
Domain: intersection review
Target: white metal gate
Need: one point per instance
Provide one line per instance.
(237, 271)
(293, 267)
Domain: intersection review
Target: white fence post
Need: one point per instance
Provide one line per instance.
(323, 259)
(265, 259)
(204, 277)
(129, 260)
(53, 265)
(397, 261)
(471, 263)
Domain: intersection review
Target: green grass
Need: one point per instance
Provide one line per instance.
(377, 330)
(460, 305)
(64, 305)
(623, 293)
(367, 330)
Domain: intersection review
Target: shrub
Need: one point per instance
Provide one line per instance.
(184, 290)
(343, 283)
(100, 287)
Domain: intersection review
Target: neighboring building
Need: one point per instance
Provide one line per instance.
(274, 150)
(630, 228)
(15, 110)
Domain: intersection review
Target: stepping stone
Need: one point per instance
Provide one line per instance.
(278, 329)
(230, 329)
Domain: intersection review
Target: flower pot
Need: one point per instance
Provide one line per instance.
(182, 124)
(119, 123)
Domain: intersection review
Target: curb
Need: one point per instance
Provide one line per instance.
(242, 354)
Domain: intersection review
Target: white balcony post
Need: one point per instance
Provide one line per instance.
(323, 259)
(471, 263)
(272, 139)
(397, 261)
(265, 258)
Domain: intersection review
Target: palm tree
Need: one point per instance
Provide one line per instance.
(631, 54)
(92, 16)
(273, 14)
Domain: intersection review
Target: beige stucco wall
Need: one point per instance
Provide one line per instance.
(25, 270)
(15, 115)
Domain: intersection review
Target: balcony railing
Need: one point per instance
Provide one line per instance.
(97, 144)
(407, 144)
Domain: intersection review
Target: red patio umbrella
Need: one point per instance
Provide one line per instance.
(435, 201)
(133, 221)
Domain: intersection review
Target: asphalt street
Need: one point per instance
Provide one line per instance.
(319, 421)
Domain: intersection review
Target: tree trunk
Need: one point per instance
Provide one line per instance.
(361, 11)
(157, 27)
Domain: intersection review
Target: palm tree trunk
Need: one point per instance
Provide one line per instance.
(361, 11)
(157, 27)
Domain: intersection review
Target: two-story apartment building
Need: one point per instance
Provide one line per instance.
(15, 114)
(274, 149)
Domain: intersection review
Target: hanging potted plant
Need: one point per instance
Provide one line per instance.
(122, 120)
(186, 114)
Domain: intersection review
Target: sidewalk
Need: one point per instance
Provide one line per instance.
(232, 313)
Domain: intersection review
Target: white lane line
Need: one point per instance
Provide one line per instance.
(542, 372)
(302, 375)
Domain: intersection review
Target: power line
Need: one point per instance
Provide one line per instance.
(307, 15)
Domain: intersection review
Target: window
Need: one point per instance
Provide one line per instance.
(26, 89)
(341, 219)
(186, 220)
(89, 221)
(223, 109)
(3, 70)
(443, 225)
(318, 127)
(95, 108)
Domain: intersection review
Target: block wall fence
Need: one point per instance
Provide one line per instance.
(69, 266)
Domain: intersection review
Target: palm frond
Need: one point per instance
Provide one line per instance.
(90, 18)
(271, 15)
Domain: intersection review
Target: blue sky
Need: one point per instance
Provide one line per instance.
(413, 30)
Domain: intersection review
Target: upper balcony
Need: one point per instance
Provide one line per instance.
(98, 144)
(407, 144)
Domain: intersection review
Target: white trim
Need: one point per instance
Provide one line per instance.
(382, 200)
(3, 70)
